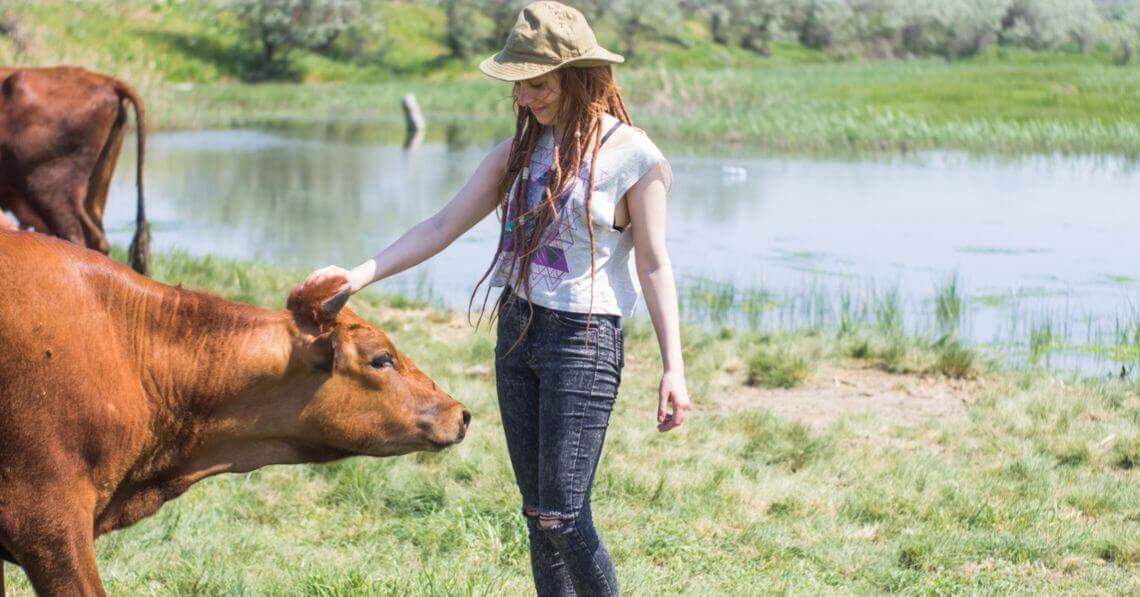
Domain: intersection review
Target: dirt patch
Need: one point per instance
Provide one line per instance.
(834, 392)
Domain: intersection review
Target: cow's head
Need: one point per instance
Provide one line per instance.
(365, 396)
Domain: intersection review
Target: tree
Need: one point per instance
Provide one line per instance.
(281, 27)
(460, 36)
(971, 25)
(503, 14)
(749, 23)
(634, 18)
(1045, 24)
(1122, 31)
(820, 24)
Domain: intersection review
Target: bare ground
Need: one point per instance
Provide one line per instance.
(835, 392)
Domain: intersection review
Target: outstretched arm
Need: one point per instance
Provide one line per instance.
(647, 215)
(471, 204)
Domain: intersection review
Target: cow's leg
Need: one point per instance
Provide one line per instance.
(29, 219)
(26, 217)
(53, 540)
(6, 223)
(64, 564)
(58, 192)
(105, 168)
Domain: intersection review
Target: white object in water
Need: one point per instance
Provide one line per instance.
(734, 172)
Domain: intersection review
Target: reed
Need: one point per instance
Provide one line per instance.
(948, 307)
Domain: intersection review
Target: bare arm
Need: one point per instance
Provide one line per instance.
(471, 204)
(654, 270)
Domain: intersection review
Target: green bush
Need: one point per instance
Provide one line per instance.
(280, 27)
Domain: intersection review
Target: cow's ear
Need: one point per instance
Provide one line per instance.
(322, 351)
(315, 306)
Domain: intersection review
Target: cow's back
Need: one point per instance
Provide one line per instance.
(46, 112)
(47, 292)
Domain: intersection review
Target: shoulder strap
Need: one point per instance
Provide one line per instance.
(609, 132)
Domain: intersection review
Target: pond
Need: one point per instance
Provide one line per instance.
(1023, 244)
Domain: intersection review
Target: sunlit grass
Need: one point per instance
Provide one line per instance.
(1027, 491)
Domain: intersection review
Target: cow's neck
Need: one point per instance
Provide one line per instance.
(228, 382)
(226, 389)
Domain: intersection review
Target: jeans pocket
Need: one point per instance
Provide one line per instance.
(575, 321)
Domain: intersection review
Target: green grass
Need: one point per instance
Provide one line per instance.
(190, 67)
(1032, 489)
(776, 368)
(789, 108)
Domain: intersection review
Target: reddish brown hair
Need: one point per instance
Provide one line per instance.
(588, 93)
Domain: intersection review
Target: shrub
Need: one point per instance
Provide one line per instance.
(280, 27)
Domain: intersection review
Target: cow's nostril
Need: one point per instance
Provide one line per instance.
(466, 417)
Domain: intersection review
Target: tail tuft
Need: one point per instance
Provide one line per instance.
(140, 248)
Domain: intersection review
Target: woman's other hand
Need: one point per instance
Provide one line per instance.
(672, 393)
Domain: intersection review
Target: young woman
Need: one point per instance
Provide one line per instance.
(579, 192)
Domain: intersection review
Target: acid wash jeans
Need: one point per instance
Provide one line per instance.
(556, 389)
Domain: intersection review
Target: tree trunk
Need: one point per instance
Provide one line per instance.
(630, 32)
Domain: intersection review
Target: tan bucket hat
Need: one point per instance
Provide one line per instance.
(547, 36)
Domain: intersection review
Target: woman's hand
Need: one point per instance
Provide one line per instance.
(354, 279)
(672, 392)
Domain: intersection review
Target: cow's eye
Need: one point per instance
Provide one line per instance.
(381, 361)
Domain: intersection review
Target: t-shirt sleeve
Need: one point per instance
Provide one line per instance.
(644, 156)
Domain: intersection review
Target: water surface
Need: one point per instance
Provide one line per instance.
(1047, 238)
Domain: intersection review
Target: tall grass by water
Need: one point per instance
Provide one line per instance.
(1031, 489)
(888, 325)
(1025, 108)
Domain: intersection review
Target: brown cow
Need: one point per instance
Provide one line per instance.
(117, 393)
(61, 129)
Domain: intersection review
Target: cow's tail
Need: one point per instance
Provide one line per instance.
(140, 244)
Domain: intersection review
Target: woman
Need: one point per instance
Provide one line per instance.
(558, 357)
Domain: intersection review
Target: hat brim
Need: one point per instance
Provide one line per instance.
(504, 67)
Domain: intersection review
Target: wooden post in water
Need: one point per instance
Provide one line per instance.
(414, 120)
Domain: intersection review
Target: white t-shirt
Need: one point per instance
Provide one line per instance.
(560, 269)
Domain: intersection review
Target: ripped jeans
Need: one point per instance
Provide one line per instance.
(556, 390)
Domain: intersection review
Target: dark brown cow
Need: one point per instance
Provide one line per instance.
(61, 129)
(117, 393)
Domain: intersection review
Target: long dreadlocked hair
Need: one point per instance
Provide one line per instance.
(588, 93)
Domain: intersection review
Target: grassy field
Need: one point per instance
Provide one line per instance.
(955, 477)
(190, 67)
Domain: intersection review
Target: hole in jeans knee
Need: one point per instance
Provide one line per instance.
(549, 522)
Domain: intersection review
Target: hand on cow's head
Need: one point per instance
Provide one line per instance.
(318, 304)
(371, 398)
